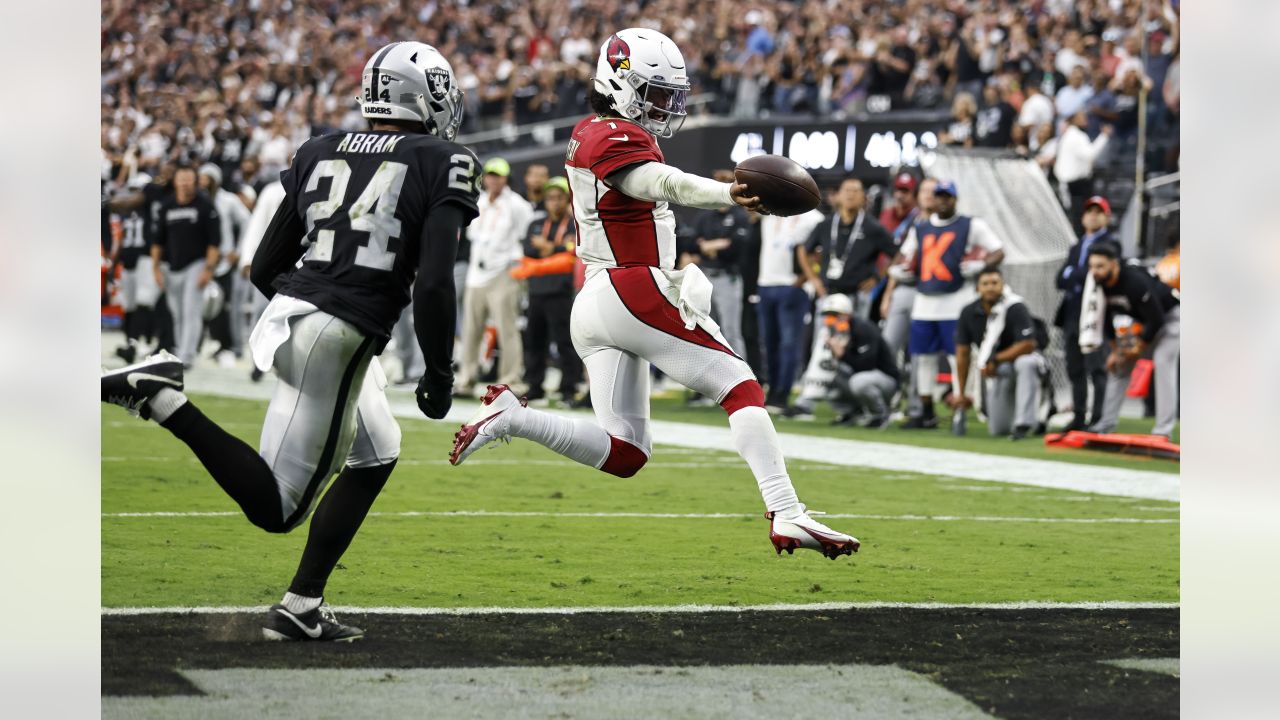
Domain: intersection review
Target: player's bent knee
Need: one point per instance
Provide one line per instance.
(747, 393)
(624, 458)
(272, 523)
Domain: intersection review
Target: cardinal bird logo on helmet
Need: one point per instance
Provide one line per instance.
(619, 54)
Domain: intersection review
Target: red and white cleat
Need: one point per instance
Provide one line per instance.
(802, 531)
(487, 425)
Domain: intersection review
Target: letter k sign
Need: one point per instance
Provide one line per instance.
(932, 265)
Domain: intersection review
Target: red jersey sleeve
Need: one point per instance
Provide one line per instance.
(606, 145)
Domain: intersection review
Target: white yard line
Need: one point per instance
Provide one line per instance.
(836, 451)
(689, 516)
(670, 609)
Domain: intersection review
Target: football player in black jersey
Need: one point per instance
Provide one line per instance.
(365, 213)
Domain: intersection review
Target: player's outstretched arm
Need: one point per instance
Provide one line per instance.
(435, 307)
(659, 182)
(280, 248)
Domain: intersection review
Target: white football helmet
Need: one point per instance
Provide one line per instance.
(643, 73)
(412, 81)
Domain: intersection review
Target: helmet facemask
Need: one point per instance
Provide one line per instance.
(659, 106)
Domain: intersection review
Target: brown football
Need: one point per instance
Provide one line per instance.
(784, 188)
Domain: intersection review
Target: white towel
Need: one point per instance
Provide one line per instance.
(995, 325)
(272, 329)
(692, 292)
(1093, 313)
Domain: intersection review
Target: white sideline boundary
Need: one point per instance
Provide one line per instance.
(663, 609)
(232, 382)
(690, 516)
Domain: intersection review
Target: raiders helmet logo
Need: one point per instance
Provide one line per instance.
(618, 53)
(438, 82)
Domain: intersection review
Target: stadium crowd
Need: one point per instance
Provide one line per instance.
(218, 95)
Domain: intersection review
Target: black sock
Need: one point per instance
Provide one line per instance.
(926, 407)
(334, 524)
(129, 323)
(142, 324)
(237, 468)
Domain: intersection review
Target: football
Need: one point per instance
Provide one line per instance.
(784, 188)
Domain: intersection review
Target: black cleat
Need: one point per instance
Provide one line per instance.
(319, 625)
(920, 423)
(1020, 433)
(132, 386)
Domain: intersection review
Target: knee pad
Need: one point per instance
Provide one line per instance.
(747, 393)
(624, 458)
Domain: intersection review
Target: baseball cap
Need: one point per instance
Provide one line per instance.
(212, 171)
(945, 187)
(1100, 202)
(1105, 248)
(497, 166)
(836, 303)
(905, 181)
(558, 182)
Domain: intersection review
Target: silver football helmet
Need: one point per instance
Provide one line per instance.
(412, 81)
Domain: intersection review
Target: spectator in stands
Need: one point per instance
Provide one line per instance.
(935, 252)
(496, 237)
(961, 130)
(849, 243)
(993, 126)
(720, 238)
(1009, 363)
(1083, 368)
(1046, 76)
(857, 372)
(783, 302)
(1037, 110)
(1073, 162)
(1101, 106)
(1132, 291)
(1071, 99)
(548, 266)
(904, 202)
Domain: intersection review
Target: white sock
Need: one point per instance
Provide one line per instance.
(164, 403)
(926, 373)
(579, 440)
(757, 442)
(298, 604)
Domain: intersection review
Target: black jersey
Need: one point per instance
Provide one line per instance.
(364, 197)
(134, 242)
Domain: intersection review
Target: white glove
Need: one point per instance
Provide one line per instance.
(901, 274)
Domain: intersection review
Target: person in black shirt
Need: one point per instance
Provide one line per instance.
(1134, 292)
(858, 372)
(993, 128)
(131, 250)
(551, 239)
(721, 238)
(188, 233)
(851, 241)
(1083, 369)
(1009, 361)
(364, 215)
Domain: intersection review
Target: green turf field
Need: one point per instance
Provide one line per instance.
(547, 559)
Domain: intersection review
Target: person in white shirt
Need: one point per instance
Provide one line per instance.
(243, 294)
(496, 236)
(783, 301)
(235, 218)
(1073, 162)
(943, 253)
(1072, 97)
(1037, 110)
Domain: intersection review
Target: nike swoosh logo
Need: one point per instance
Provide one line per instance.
(133, 379)
(624, 137)
(311, 632)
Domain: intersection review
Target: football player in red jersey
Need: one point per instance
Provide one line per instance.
(635, 307)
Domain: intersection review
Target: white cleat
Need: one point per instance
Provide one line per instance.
(805, 532)
(487, 424)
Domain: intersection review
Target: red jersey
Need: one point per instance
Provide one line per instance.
(615, 230)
